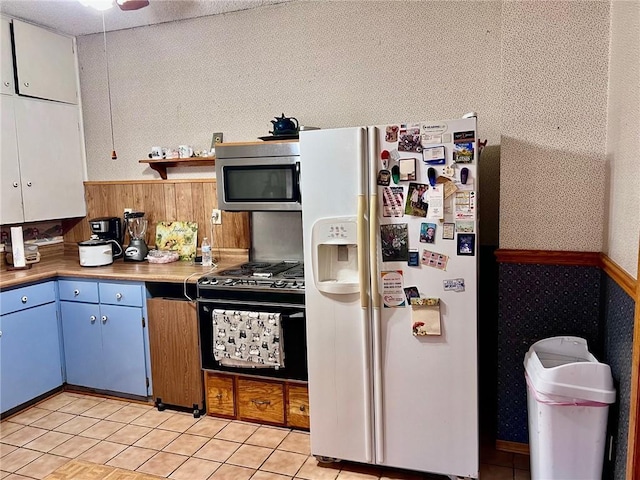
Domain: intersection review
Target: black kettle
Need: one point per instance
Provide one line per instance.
(284, 126)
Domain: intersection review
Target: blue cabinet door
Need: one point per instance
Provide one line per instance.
(81, 331)
(123, 349)
(29, 355)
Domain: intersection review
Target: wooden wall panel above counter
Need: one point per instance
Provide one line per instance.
(162, 200)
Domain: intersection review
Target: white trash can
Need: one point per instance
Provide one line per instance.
(568, 398)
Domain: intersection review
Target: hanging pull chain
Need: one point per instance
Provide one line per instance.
(114, 156)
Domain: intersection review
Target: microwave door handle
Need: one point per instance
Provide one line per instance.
(297, 182)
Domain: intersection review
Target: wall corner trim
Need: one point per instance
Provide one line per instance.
(618, 275)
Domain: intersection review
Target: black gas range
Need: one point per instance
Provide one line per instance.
(281, 281)
(272, 287)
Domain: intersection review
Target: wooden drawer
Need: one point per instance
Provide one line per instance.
(297, 406)
(261, 401)
(219, 395)
(78, 291)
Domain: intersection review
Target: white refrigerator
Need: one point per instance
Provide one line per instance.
(390, 232)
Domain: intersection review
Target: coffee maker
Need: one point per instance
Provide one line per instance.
(110, 229)
(137, 226)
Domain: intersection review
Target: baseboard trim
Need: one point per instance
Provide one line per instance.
(513, 447)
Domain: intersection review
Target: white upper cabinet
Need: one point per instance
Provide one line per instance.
(45, 63)
(10, 185)
(42, 163)
(6, 58)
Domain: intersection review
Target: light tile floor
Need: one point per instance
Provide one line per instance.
(135, 436)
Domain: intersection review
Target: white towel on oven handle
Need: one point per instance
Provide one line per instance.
(247, 338)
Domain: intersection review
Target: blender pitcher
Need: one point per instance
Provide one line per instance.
(137, 226)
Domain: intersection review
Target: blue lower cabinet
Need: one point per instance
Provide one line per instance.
(104, 344)
(30, 360)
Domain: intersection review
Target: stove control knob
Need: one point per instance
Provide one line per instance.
(204, 281)
(229, 281)
(280, 284)
(213, 281)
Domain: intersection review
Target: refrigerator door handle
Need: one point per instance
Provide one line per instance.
(375, 296)
(362, 252)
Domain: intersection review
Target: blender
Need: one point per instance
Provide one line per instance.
(137, 226)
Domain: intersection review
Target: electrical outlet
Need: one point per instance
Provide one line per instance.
(216, 216)
(217, 138)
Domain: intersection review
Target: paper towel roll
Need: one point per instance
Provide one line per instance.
(17, 247)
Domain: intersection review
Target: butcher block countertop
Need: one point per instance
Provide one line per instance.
(68, 265)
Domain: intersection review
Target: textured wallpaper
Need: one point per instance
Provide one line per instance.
(329, 64)
(623, 137)
(553, 125)
(535, 72)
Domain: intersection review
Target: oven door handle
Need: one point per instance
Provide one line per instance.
(245, 305)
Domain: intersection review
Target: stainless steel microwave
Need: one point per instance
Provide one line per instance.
(258, 176)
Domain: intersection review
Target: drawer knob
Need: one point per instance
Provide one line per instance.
(118, 296)
(104, 319)
(92, 318)
(76, 292)
(26, 84)
(259, 403)
(302, 408)
(29, 184)
(219, 396)
(24, 299)
(16, 184)
(6, 84)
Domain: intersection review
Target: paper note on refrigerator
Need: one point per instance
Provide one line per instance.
(465, 205)
(393, 295)
(436, 202)
(425, 316)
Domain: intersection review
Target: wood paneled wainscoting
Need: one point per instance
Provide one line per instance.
(162, 200)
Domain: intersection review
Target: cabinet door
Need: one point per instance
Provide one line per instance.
(45, 63)
(29, 355)
(10, 189)
(123, 349)
(82, 344)
(51, 163)
(175, 355)
(6, 58)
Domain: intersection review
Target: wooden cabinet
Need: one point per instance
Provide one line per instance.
(261, 401)
(257, 399)
(220, 395)
(45, 63)
(42, 163)
(297, 406)
(175, 356)
(30, 359)
(104, 335)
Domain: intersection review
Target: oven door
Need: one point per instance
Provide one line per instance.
(293, 338)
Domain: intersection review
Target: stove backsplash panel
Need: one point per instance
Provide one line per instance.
(276, 236)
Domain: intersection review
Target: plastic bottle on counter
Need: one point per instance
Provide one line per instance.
(206, 252)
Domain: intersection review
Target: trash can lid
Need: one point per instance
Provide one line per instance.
(564, 366)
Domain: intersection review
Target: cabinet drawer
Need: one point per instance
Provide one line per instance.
(219, 395)
(121, 294)
(78, 291)
(27, 297)
(297, 406)
(261, 401)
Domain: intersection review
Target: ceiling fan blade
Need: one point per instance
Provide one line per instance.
(132, 4)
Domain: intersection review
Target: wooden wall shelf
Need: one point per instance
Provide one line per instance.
(160, 165)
